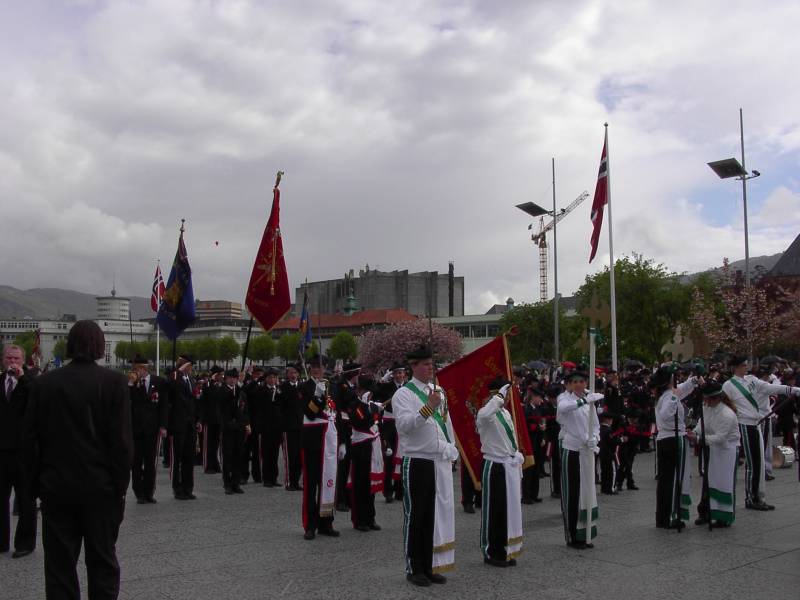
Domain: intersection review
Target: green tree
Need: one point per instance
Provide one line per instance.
(206, 349)
(25, 340)
(534, 323)
(651, 303)
(262, 348)
(122, 350)
(287, 345)
(343, 346)
(312, 350)
(227, 349)
(60, 350)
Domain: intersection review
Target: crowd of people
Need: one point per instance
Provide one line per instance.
(77, 436)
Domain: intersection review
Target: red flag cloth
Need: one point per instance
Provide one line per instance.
(268, 298)
(600, 200)
(158, 290)
(465, 383)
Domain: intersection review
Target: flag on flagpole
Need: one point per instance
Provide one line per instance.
(600, 199)
(176, 311)
(268, 298)
(305, 327)
(158, 290)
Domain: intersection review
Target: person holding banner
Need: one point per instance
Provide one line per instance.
(501, 520)
(578, 444)
(426, 444)
(743, 390)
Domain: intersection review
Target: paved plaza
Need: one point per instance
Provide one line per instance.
(251, 546)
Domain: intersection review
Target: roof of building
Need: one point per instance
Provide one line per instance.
(789, 264)
(342, 321)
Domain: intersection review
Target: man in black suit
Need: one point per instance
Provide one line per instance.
(149, 421)
(292, 412)
(209, 409)
(14, 466)
(270, 425)
(183, 425)
(79, 421)
(235, 429)
(394, 379)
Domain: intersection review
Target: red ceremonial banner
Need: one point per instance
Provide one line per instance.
(465, 383)
(268, 298)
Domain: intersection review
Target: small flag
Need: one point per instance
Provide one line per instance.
(268, 297)
(176, 311)
(158, 290)
(305, 327)
(600, 200)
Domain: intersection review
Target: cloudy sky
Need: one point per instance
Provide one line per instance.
(408, 132)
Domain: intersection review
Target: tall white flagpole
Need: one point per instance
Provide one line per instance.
(611, 253)
(158, 329)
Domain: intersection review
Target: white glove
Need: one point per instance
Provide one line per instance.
(387, 376)
(592, 443)
(450, 452)
(592, 398)
(342, 451)
(518, 459)
(504, 390)
(389, 452)
(319, 392)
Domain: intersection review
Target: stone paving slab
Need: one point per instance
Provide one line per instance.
(251, 547)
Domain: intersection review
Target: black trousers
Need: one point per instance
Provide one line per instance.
(182, 460)
(233, 442)
(291, 449)
(570, 463)
(753, 455)
(469, 495)
(555, 468)
(143, 471)
(419, 513)
(627, 453)
(313, 443)
(251, 458)
(13, 473)
(211, 435)
(671, 464)
(608, 471)
(530, 482)
(271, 441)
(64, 528)
(389, 437)
(494, 521)
(362, 500)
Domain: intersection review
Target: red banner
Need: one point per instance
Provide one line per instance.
(268, 298)
(465, 383)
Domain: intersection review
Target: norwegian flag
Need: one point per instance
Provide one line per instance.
(158, 290)
(600, 200)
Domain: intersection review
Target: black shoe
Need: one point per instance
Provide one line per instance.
(309, 534)
(293, 488)
(512, 562)
(701, 521)
(229, 491)
(469, 509)
(677, 524)
(436, 578)
(363, 528)
(238, 490)
(756, 506)
(721, 524)
(152, 500)
(269, 484)
(537, 500)
(21, 553)
(611, 493)
(374, 527)
(633, 486)
(388, 499)
(329, 532)
(769, 477)
(495, 562)
(141, 501)
(181, 496)
(418, 579)
(578, 545)
(527, 500)
(190, 496)
(555, 494)
(342, 507)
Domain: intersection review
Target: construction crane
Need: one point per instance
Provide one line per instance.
(540, 238)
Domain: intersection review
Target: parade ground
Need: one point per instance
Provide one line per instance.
(251, 546)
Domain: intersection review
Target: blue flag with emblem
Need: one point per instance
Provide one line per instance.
(177, 311)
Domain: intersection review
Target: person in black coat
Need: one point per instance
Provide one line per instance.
(536, 423)
(78, 423)
(14, 468)
(392, 485)
(232, 404)
(345, 396)
(149, 421)
(292, 417)
(209, 417)
(183, 425)
(270, 426)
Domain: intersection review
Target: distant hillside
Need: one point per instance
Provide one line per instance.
(51, 303)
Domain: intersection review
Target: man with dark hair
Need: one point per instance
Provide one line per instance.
(292, 416)
(183, 427)
(149, 421)
(14, 468)
(210, 418)
(78, 421)
(235, 428)
(394, 379)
